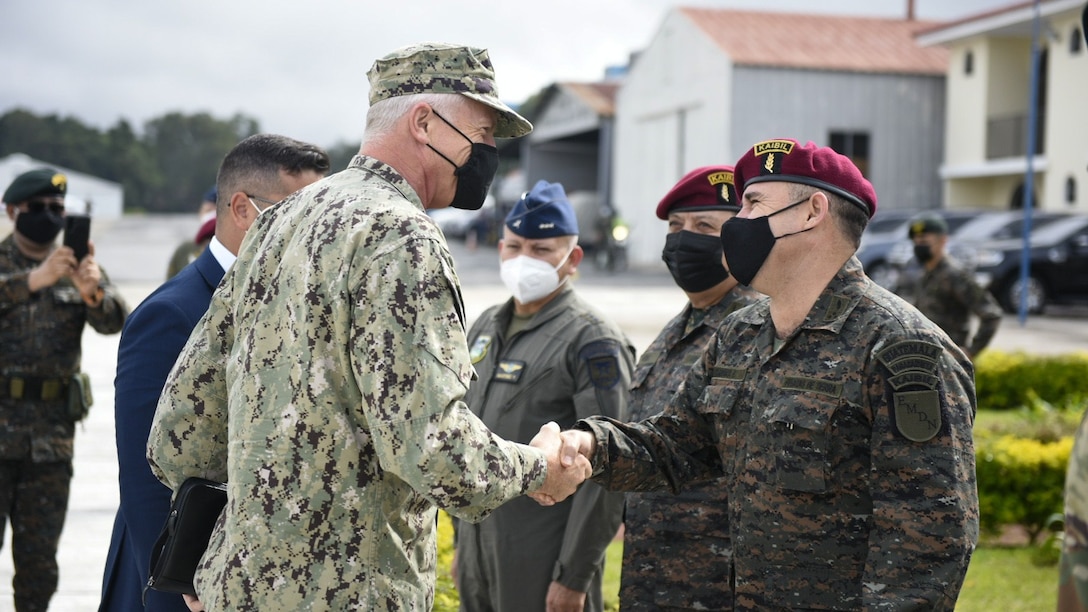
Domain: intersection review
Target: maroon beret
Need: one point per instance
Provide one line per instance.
(706, 188)
(206, 231)
(787, 160)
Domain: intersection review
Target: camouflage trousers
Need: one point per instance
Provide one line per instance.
(34, 498)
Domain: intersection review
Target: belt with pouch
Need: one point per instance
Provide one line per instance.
(33, 388)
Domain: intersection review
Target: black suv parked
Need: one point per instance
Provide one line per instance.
(1059, 266)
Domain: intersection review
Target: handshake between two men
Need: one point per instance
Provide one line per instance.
(568, 454)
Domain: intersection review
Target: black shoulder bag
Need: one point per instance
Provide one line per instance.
(185, 535)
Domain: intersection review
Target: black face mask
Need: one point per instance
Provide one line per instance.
(923, 253)
(474, 177)
(748, 242)
(694, 260)
(39, 226)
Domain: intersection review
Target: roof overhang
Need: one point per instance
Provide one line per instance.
(1014, 21)
(1000, 167)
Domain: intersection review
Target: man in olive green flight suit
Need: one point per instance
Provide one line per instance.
(544, 355)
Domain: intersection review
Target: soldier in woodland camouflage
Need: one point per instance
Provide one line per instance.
(325, 383)
(945, 292)
(676, 549)
(46, 297)
(839, 416)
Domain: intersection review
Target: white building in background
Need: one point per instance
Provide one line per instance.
(105, 198)
(989, 87)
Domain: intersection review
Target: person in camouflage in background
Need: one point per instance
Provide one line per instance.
(839, 416)
(1073, 576)
(325, 384)
(676, 550)
(945, 292)
(46, 297)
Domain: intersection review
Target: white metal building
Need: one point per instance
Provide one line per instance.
(713, 82)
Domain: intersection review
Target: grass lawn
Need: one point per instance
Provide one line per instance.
(1006, 579)
(999, 578)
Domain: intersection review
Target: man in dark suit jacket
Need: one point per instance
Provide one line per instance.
(258, 172)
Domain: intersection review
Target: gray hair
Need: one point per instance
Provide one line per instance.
(384, 114)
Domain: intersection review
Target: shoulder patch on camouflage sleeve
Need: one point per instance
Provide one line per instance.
(917, 414)
(916, 399)
(602, 359)
(910, 355)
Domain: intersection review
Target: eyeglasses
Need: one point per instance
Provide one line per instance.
(37, 206)
(260, 199)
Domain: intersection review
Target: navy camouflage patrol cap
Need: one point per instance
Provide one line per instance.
(544, 212)
(444, 69)
(43, 181)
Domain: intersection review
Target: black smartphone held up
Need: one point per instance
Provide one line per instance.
(77, 230)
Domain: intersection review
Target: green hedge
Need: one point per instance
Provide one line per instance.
(1006, 381)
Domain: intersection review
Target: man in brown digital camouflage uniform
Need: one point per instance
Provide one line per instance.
(839, 416)
(46, 297)
(676, 550)
(945, 292)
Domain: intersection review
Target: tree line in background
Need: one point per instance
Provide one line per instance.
(166, 169)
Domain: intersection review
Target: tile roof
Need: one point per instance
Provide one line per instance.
(820, 42)
(601, 97)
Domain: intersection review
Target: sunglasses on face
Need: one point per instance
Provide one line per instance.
(37, 206)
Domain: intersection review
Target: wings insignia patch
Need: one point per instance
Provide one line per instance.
(509, 370)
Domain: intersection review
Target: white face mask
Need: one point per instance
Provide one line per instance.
(530, 279)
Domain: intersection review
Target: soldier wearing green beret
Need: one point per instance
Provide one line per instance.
(46, 297)
(326, 383)
(945, 291)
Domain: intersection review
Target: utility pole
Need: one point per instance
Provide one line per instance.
(1029, 172)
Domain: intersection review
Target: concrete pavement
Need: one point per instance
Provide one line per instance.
(135, 252)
